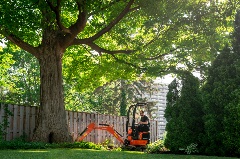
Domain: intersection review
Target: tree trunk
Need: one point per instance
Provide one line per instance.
(51, 123)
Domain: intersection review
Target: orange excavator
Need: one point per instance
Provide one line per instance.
(106, 127)
(135, 138)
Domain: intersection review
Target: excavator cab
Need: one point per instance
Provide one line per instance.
(136, 138)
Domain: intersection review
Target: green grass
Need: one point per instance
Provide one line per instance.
(91, 154)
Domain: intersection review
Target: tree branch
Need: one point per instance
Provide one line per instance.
(89, 41)
(103, 8)
(57, 12)
(122, 61)
(155, 39)
(81, 21)
(20, 43)
(125, 11)
(133, 9)
(100, 50)
(160, 56)
(77, 27)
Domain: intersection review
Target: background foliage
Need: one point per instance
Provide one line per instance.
(20, 85)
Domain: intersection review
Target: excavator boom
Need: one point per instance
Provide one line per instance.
(106, 127)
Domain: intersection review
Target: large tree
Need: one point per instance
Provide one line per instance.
(132, 37)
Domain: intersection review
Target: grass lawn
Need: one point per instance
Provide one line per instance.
(91, 154)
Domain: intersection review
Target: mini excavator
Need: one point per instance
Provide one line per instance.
(135, 138)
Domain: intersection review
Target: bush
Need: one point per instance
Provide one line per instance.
(17, 144)
(191, 149)
(20, 143)
(156, 147)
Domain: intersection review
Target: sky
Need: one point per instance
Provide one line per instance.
(2, 44)
(166, 79)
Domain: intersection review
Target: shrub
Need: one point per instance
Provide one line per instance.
(20, 143)
(17, 144)
(192, 148)
(156, 147)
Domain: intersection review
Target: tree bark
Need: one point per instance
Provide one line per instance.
(51, 123)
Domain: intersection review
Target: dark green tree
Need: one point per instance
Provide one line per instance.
(191, 110)
(186, 125)
(232, 109)
(171, 115)
(222, 115)
(220, 95)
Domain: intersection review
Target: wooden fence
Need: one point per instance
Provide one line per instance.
(23, 120)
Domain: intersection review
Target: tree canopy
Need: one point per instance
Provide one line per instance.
(117, 36)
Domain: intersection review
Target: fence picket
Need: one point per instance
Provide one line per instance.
(15, 121)
(75, 117)
(33, 120)
(27, 120)
(21, 120)
(9, 130)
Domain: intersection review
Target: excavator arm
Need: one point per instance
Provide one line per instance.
(106, 127)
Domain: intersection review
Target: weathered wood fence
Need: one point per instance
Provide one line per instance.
(23, 120)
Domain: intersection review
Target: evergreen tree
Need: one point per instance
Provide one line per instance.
(187, 125)
(232, 109)
(221, 92)
(191, 111)
(217, 90)
(171, 115)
